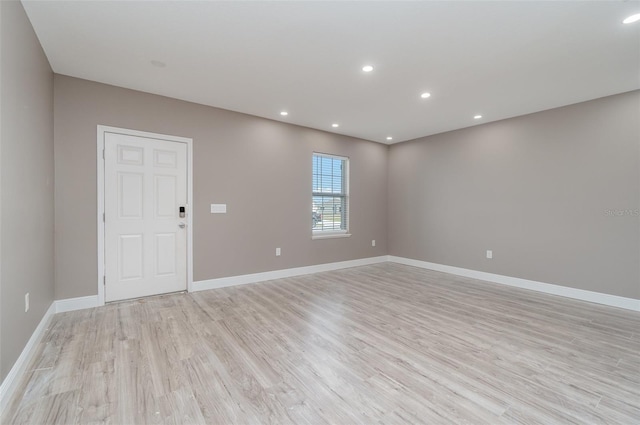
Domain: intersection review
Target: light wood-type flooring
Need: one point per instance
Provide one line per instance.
(380, 344)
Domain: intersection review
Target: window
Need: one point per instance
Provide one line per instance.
(330, 196)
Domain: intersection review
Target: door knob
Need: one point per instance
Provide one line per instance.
(182, 225)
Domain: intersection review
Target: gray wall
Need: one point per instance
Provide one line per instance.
(554, 194)
(26, 191)
(260, 168)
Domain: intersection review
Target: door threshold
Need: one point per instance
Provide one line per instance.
(144, 299)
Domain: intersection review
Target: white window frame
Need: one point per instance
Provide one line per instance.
(342, 233)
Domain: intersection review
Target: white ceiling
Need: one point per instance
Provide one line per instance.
(498, 59)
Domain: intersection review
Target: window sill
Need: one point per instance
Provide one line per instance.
(330, 235)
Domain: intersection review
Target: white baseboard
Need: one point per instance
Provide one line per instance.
(80, 303)
(223, 282)
(10, 383)
(72, 304)
(547, 288)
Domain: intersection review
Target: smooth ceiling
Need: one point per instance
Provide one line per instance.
(498, 59)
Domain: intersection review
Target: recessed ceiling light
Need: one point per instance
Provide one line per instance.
(477, 117)
(367, 68)
(284, 113)
(425, 95)
(631, 19)
(335, 125)
(389, 138)
(158, 64)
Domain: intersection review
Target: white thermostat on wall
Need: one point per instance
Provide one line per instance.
(218, 208)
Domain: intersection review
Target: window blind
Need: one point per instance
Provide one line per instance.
(330, 193)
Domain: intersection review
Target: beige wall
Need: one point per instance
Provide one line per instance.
(260, 168)
(554, 194)
(26, 190)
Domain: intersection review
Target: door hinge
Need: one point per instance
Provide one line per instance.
(104, 217)
(104, 280)
(102, 153)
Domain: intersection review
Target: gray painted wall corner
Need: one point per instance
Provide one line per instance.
(555, 195)
(26, 182)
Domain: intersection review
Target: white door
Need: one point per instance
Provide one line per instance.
(145, 237)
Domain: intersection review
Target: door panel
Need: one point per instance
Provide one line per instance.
(145, 247)
(131, 257)
(131, 196)
(165, 197)
(165, 254)
(165, 158)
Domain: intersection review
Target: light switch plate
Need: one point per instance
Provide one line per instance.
(218, 208)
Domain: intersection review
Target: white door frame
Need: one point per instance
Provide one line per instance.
(102, 129)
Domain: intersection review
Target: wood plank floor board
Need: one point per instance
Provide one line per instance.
(459, 389)
(379, 344)
(442, 359)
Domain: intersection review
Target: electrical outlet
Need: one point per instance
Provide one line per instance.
(278, 252)
(373, 242)
(26, 302)
(489, 253)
